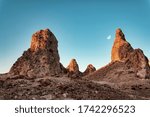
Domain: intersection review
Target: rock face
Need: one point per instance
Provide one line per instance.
(121, 48)
(73, 69)
(134, 58)
(139, 62)
(41, 59)
(90, 69)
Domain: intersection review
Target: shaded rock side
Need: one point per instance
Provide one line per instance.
(139, 62)
(41, 59)
(73, 69)
(90, 69)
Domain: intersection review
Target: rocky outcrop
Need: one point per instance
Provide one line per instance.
(90, 69)
(139, 62)
(41, 59)
(127, 64)
(121, 48)
(73, 69)
(134, 58)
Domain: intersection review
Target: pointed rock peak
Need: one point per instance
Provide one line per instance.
(73, 69)
(73, 60)
(121, 48)
(90, 68)
(73, 66)
(120, 34)
(42, 40)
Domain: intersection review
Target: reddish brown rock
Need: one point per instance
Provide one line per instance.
(90, 69)
(139, 62)
(73, 69)
(137, 59)
(41, 59)
(127, 64)
(121, 48)
(73, 66)
(134, 58)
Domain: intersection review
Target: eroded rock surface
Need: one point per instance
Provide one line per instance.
(41, 59)
(134, 58)
(121, 48)
(90, 69)
(73, 69)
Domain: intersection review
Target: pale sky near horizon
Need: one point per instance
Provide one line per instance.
(85, 29)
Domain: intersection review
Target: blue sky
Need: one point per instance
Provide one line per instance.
(82, 28)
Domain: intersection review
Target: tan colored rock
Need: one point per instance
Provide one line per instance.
(73, 66)
(44, 40)
(142, 73)
(90, 69)
(41, 59)
(73, 69)
(121, 48)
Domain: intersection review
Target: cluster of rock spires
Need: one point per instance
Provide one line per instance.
(42, 59)
(35, 74)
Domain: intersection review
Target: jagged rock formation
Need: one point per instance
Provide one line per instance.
(73, 69)
(41, 59)
(120, 79)
(134, 58)
(121, 48)
(90, 69)
(139, 62)
(127, 63)
(73, 66)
